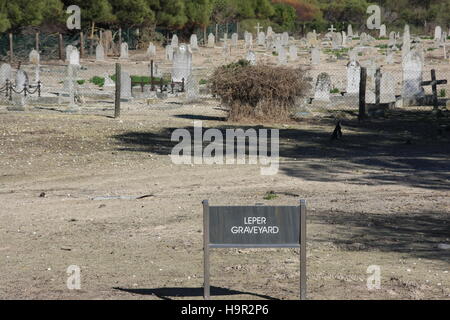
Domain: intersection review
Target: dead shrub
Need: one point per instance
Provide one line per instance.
(258, 92)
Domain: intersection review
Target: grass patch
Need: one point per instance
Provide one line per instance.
(270, 195)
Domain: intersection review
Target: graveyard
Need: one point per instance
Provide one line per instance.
(87, 179)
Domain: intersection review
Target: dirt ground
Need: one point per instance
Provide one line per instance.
(378, 197)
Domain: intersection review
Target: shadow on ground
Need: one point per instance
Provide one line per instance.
(165, 293)
(412, 149)
(414, 233)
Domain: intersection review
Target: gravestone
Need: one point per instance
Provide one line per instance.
(107, 42)
(285, 38)
(323, 88)
(151, 50)
(261, 39)
(124, 50)
(248, 40)
(350, 30)
(344, 39)
(211, 40)
(5, 73)
(34, 57)
(251, 57)
(125, 86)
(234, 39)
(74, 58)
(336, 39)
(69, 49)
(269, 31)
(383, 31)
(392, 39)
(174, 41)
(99, 53)
(282, 57)
(389, 57)
(412, 76)
(108, 81)
(194, 42)
(182, 63)
(315, 56)
(437, 33)
(191, 88)
(387, 88)
(353, 77)
(169, 52)
(21, 80)
(312, 38)
(293, 53)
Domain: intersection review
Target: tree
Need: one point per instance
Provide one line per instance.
(199, 12)
(170, 13)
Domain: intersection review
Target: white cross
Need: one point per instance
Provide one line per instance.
(258, 27)
(332, 29)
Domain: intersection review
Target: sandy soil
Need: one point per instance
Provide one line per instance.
(378, 197)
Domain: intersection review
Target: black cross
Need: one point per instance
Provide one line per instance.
(434, 83)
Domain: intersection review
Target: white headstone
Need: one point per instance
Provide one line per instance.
(169, 52)
(74, 58)
(99, 53)
(151, 50)
(182, 63)
(412, 75)
(387, 88)
(323, 88)
(315, 56)
(191, 88)
(285, 38)
(293, 52)
(261, 39)
(125, 85)
(353, 77)
(383, 31)
(5, 73)
(234, 39)
(34, 57)
(269, 31)
(211, 40)
(251, 57)
(69, 49)
(194, 42)
(282, 58)
(174, 41)
(437, 33)
(21, 80)
(350, 30)
(124, 50)
(108, 81)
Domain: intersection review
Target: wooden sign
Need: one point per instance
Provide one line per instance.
(255, 227)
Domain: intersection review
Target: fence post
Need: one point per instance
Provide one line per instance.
(81, 45)
(362, 94)
(120, 40)
(37, 41)
(11, 48)
(151, 76)
(377, 87)
(118, 85)
(61, 47)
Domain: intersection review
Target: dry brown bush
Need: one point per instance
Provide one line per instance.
(258, 92)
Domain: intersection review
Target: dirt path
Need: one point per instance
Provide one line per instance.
(372, 200)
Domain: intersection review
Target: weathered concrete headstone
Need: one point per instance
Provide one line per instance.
(412, 76)
(211, 40)
(336, 39)
(151, 50)
(323, 88)
(261, 39)
(234, 39)
(293, 53)
(34, 57)
(383, 31)
(353, 77)
(350, 30)
(251, 57)
(108, 81)
(174, 41)
(182, 63)
(5, 73)
(169, 52)
(125, 86)
(99, 53)
(192, 89)
(282, 57)
(124, 50)
(21, 80)
(437, 33)
(387, 88)
(285, 38)
(69, 49)
(248, 40)
(194, 42)
(315, 56)
(74, 58)
(269, 31)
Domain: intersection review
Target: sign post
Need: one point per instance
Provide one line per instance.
(254, 227)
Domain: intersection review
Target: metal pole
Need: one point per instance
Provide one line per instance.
(302, 250)
(362, 94)
(206, 288)
(118, 84)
